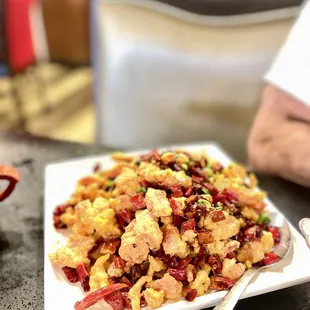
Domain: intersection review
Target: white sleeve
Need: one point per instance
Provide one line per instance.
(291, 69)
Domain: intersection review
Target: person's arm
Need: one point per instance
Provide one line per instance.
(279, 142)
(291, 69)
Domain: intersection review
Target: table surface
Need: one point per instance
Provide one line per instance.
(21, 222)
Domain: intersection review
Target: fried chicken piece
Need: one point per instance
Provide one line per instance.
(252, 251)
(153, 174)
(147, 228)
(173, 244)
(156, 265)
(232, 270)
(100, 217)
(154, 299)
(98, 275)
(225, 229)
(267, 241)
(133, 249)
(135, 292)
(201, 282)
(74, 253)
(128, 181)
(120, 203)
(169, 285)
(157, 202)
(250, 214)
(222, 248)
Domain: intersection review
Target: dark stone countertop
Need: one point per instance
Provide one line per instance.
(21, 223)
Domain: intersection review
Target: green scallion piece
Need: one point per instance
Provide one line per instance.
(263, 219)
(206, 191)
(142, 190)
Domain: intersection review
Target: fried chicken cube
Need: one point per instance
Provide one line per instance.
(173, 243)
(250, 214)
(156, 265)
(147, 228)
(121, 202)
(224, 229)
(153, 174)
(157, 202)
(232, 270)
(222, 248)
(74, 253)
(128, 181)
(169, 285)
(190, 272)
(154, 299)
(135, 292)
(201, 282)
(98, 275)
(267, 241)
(252, 251)
(133, 248)
(100, 217)
(69, 217)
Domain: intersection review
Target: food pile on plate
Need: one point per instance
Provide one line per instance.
(162, 226)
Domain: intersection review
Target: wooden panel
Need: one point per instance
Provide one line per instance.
(67, 29)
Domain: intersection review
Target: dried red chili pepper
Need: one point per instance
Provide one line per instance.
(70, 274)
(217, 216)
(138, 201)
(270, 258)
(118, 262)
(98, 295)
(11, 175)
(178, 274)
(190, 294)
(83, 277)
(220, 283)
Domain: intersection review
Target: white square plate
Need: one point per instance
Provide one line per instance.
(60, 181)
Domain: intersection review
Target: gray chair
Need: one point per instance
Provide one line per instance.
(166, 75)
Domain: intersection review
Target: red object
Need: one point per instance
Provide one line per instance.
(178, 274)
(217, 216)
(115, 300)
(270, 258)
(83, 277)
(98, 295)
(11, 175)
(191, 294)
(188, 225)
(124, 217)
(110, 246)
(176, 191)
(59, 210)
(138, 201)
(118, 262)
(70, 274)
(275, 233)
(221, 283)
(18, 32)
(204, 236)
(176, 208)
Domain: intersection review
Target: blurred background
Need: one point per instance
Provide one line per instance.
(137, 73)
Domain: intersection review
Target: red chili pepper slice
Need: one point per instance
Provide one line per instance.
(10, 174)
(98, 295)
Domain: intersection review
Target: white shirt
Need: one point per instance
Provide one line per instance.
(291, 69)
